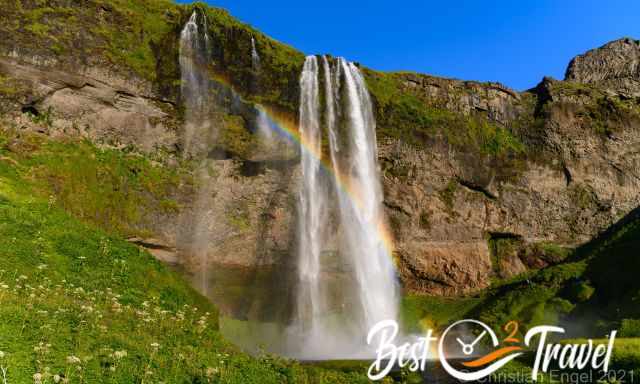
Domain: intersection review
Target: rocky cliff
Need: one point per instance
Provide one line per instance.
(614, 67)
(480, 181)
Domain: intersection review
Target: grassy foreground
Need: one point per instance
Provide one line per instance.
(80, 305)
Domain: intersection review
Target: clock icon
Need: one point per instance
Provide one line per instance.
(467, 349)
(466, 340)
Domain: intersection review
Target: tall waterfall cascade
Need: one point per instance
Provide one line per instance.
(199, 132)
(333, 316)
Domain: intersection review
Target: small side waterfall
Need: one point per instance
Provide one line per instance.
(194, 87)
(328, 330)
(264, 126)
(255, 58)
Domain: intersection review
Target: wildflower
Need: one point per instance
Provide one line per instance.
(42, 266)
(56, 378)
(73, 360)
(155, 345)
(211, 372)
(120, 354)
(37, 378)
(1, 355)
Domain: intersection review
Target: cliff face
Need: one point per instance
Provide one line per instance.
(614, 66)
(480, 181)
(467, 205)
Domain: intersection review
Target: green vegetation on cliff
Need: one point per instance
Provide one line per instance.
(141, 39)
(402, 115)
(110, 188)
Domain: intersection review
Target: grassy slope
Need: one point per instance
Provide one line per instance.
(594, 291)
(597, 282)
(69, 290)
(106, 187)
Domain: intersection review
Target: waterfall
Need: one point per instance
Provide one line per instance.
(194, 87)
(199, 131)
(361, 214)
(264, 126)
(350, 125)
(311, 206)
(345, 277)
(255, 58)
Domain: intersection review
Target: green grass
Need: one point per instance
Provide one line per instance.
(420, 313)
(79, 302)
(113, 189)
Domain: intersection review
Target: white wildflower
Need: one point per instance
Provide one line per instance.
(73, 360)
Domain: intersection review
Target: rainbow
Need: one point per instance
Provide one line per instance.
(289, 130)
(286, 128)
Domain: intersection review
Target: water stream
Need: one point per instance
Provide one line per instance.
(330, 326)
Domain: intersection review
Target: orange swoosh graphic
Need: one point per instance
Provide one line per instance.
(491, 357)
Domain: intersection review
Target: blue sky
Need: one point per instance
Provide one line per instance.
(513, 42)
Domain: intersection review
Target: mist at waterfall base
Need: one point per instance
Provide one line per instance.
(342, 280)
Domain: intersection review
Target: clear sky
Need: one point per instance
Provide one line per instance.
(514, 42)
